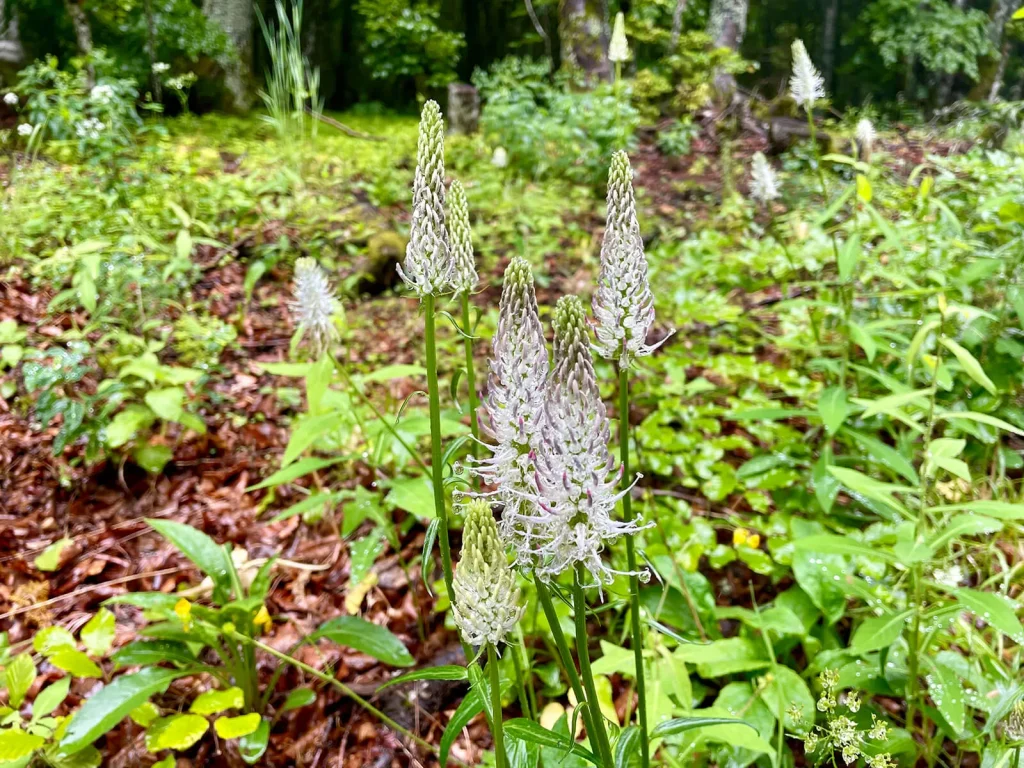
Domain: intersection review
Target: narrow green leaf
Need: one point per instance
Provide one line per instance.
(451, 672)
(841, 545)
(963, 525)
(294, 471)
(209, 556)
(50, 698)
(471, 706)
(682, 724)
(879, 632)
(627, 747)
(994, 609)
(19, 673)
(981, 418)
(298, 698)
(970, 364)
(890, 403)
(366, 637)
(535, 733)
(833, 408)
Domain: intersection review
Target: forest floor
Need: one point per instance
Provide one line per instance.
(101, 508)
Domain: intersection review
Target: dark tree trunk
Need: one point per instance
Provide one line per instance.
(584, 38)
(989, 69)
(83, 35)
(154, 77)
(11, 53)
(236, 19)
(677, 25)
(828, 42)
(727, 24)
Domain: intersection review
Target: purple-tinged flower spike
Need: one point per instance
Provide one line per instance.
(577, 478)
(428, 263)
(314, 306)
(806, 84)
(464, 278)
(623, 303)
(764, 184)
(514, 403)
(486, 603)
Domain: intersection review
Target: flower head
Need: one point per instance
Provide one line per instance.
(514, 404)
(486, 602)
(464, 277)
(25, 129)
(618, 49)
(89, 128)
(577, 478)
(428, 264)
(10, 98)
(623, 303)
(500, 158)
(866, 136)
(1014, 727)
(101, 93)
(764, 184)
(159, 67)
(314, 305)
(806, 84)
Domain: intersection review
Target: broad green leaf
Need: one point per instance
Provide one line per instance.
(152, 457)
(452, 672)
(947, 693)
(786, 689)
(215, 702)
(128, 423)
(298, 698)
(98, 634)
(75, 663)
(859, 483)
(535, 733)
(863, 339)
(994, 609)
(307, 431)
(49, 558)
(826, 486)
(178, 732)
(366, 637)
(918, 341)
(209, 556)
(51, 639)
(970, 364)
(724, 657)
(144, 652)
(834, 408)
(236, 727)
(415, 495)
(864, 193)
(50, 698)
(19, 674)
(15, 744)
(885, 455)
(255, 744)
(145, 713)
(879, 632)
(112, 703)
(849, 255)
(167, 403)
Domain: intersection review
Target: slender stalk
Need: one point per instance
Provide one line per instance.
(474, 402)
(634, 581)
(496, 729)
(436, 470)
(517, 667)
(544, 597)
(583, 654)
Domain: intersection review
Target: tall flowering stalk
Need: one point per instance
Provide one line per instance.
(624, 308)
(618, 47)
(866, 136)
(427, 272)
(464, 282)
(485, 601)
(807, 87)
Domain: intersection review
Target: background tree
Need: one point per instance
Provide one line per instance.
(235, 17)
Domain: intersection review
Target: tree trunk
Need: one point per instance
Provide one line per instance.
(11, 53)
(154, 77)
(997, 80)
(989, 70)
(727, 23)
(584, 38)
(83, 35)
(677, 25)
(236, 19)
(828, 42)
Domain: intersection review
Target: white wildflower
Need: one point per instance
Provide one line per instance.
(764, 183)
(101, 94)
(464, 278)
(618, 49)
(89, 128)
(500, 158)
(623, 303)
(159, 67)
(514, 404)
(866, 136)
(486, 604)
(11, 99)
(806, 84)
(949, 577)
(1014, 724)
(428, 264)
(314, 306)
(577, 479)
(25, 129)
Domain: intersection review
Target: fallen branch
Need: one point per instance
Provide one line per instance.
(342, 127)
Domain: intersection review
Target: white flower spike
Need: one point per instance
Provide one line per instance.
(428, 264)
(623, 303)
(618, 49)
(764, 184)
(464, 278)
(577, 478)
(866, 137)
(314, 306)
(25, 129)
(806, 84)
(11, 99)
(486, 604)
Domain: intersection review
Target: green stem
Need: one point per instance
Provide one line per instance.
(517, 667)
(496, 729)
(544, 597)
(634, 580)
(474, 402)
(583, 653)
(436, 469)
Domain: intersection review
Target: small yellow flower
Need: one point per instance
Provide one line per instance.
(740, 536)
(183, 610)
(262, 619)
(754, 541)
